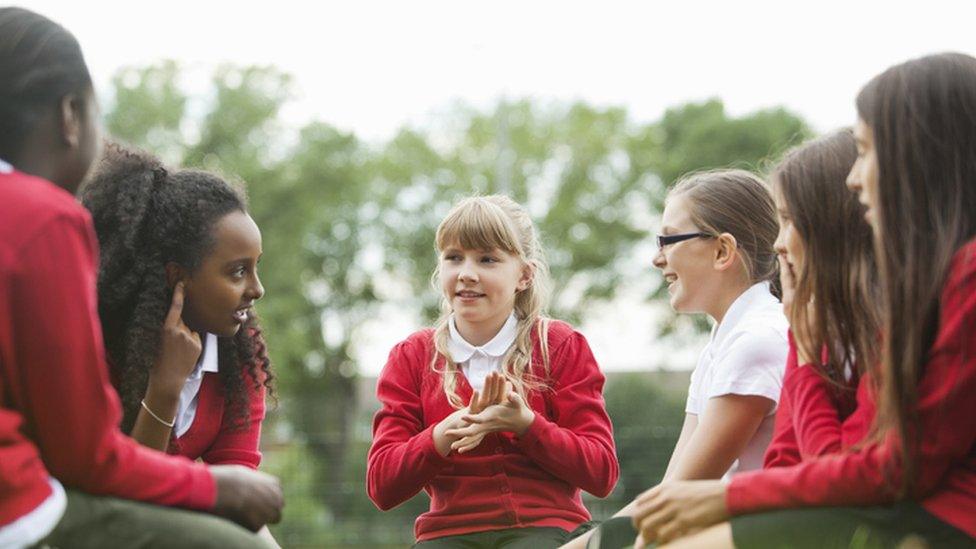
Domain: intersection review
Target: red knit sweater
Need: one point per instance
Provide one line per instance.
(507, 481)
(59, 414)
(812, 418)
(946, 458)
(214, 437)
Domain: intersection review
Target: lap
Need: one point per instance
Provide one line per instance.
(512, 538)
(843, 527)
(97, 522)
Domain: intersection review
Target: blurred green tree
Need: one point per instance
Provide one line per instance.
(348, 227)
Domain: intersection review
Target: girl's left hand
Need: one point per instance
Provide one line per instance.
(513, 414)
(675, 509)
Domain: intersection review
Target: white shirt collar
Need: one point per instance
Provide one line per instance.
(756, 295)
(5, 167)
(209, 362)
(461, 350)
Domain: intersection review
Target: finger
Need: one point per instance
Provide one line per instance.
(499, 389)
(640, 543)
(175, 315)
(475, 405)
(476, 419)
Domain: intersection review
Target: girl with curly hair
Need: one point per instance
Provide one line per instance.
(176, 287)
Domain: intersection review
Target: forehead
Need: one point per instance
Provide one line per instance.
(862, 132)
(676, 213)
(235, 236)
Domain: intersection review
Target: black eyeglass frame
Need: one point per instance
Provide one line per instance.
(668, 239)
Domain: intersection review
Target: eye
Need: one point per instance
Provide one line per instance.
(489, 259)
(452, 256)
(239, 272)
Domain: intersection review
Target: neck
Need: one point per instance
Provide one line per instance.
(479, 333)
(726, 298)
(38, 158)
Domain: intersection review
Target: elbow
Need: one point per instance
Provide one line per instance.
(379, 497)
(606, 481)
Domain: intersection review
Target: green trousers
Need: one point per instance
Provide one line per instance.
(99, 522)
(511, 538)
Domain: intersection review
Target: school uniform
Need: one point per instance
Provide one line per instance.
(942, 508)
(745, 355)
(204, 429)
(59, 413)
(508, 481)
(815, 417)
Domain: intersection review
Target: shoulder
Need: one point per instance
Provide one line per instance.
(30, 205)
(962, 270)
(558, 332)
(413, 351)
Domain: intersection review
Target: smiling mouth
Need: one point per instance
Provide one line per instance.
(241, 315)
(467, 294)
(670, 279)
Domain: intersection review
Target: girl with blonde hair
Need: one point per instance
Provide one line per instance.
(497, 412)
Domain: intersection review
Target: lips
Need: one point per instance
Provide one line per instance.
(670, 279)
(468, 294)
(241, 315)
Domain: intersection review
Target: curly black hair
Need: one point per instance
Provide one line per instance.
(146, 216)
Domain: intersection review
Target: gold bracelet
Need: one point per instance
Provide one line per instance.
(157, 418)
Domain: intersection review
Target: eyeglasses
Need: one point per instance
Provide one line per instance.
(666, 240)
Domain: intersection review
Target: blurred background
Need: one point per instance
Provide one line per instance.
(356, 127)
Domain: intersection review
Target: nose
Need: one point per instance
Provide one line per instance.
(467, 273)
(853, 181)
(659, 260)
(780, 244)
(255, 290)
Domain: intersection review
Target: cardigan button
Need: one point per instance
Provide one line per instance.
(498, 450)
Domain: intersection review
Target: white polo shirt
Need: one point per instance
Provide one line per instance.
(746, 355)
(477, 362)
(186, 410)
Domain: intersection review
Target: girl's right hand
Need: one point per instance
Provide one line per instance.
(494, 392)
(179, 350)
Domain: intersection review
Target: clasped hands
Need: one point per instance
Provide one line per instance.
(496, 408)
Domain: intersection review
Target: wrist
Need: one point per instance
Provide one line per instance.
(525, 421)
(163, 396)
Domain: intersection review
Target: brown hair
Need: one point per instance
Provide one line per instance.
(739, 203)
(497, 222)
(922, 115)
(839, 266)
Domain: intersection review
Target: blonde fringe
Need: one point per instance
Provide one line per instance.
(498, 222)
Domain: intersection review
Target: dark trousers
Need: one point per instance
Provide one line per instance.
(99, 522)
(511, 538)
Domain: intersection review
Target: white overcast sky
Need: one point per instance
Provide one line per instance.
(370, 66)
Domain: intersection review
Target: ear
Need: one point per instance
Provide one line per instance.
(175, 273)
(72, 117)
(525, 281)
(726, 252)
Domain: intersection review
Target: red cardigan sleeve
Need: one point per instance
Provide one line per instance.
(236, 445)
(71, 409)
(577, 446)
(783, 449)
(946, 415)
(402, 458)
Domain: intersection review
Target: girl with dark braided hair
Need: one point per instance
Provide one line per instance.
(176, 287)
(68, 476)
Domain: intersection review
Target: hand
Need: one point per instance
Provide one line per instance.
(788, 283)
(512, 415)
(675, 509)
(179, 349)
(248, 497)
(494, 392)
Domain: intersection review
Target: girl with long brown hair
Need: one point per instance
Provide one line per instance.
(915, 474)
(829, 278)
(497, 412)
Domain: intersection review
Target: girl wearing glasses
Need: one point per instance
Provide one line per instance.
(716, 254)
(914, 476)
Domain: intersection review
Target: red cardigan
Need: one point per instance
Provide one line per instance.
(59, 413)
(215, 438)
(812, 419)
(507, 481)
(946, 458)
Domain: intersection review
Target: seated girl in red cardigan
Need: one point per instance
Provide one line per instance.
(176, 285)
(825, 250)
(497, 413)
(915, 474)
